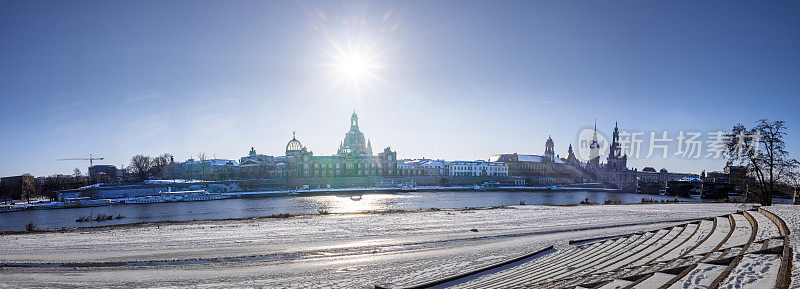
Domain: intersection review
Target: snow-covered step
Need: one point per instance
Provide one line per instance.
(559, 256)
(705, 228)
(700, 277)
(585, 257)
(640, 270)
(620, 259)
(688, 231)
(766, 228)
(715, 255)
(741, 233)
(587, 264)
(552, 272)
(630, 271)
(657, 280)
(648, 249)
(611, 262)
(692, 260)
(718, 237)
(734, 251)
(657, 267)
(754, 271)
(616, 284)
(757, 246)
(534, 271)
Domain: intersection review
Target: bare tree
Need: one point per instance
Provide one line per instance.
(28, 187)
(201, 157)
(141, 165)
(159, 163)
(762, 151)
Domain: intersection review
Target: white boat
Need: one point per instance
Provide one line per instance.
(184, 196)
(145, 200)
(192, 196)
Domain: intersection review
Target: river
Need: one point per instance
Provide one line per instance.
(311, 204)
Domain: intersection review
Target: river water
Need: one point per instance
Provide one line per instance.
(334, 203)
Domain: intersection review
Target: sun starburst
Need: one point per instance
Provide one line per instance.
(355, 52)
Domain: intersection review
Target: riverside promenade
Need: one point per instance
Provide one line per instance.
(407, 249)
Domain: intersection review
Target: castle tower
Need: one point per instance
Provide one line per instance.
(549, 150)
(616, 161)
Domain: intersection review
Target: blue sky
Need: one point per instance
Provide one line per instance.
(460, 80)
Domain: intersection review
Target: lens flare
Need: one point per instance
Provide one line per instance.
(354, 51)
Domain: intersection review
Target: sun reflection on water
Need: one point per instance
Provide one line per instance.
(356, 203)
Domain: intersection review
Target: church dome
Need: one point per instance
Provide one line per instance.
(294, 145)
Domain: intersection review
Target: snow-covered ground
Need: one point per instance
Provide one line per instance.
(754, 271)
(336, 251)
(791, 214)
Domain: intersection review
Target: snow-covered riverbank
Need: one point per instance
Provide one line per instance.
(346, 251)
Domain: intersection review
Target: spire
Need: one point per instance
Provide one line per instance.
(293, 135)
(354, 121)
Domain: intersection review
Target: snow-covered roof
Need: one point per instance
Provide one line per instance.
(530, 158)
(249, 162)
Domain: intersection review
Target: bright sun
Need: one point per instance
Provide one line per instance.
(355, 68)
(355, 52)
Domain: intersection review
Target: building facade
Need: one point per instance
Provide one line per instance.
(213, 169)
(354, 158)
(259, 166)
(547, 169)
(478, 169)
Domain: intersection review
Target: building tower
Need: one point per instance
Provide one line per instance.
(294, 147)
(549, 151)
(571, 159)
(616, 160)
(594, 151)
(354, 143)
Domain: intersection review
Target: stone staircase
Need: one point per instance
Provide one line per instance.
(749, 249)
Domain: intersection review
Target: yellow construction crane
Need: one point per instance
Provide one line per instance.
(91, 159)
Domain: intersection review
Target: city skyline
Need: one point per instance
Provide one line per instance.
(457, 82)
